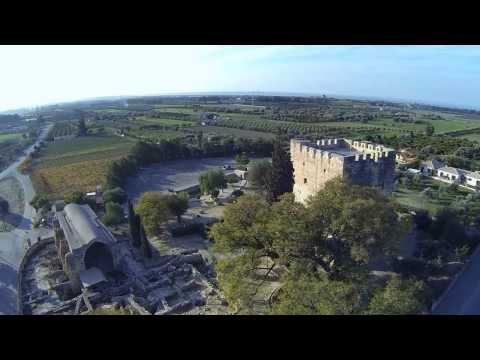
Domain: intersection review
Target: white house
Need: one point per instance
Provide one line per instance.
(431, 167)
(472, 179)
(451, 174)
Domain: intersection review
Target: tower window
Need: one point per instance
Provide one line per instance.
(305, 180)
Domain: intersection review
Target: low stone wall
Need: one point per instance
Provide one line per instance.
(31, 251)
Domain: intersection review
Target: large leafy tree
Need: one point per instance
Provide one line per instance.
(212, 181)
(398, 297)
(153, 210)
(178, 204)
(260, 175)
(282, 171)
(309, 294)
(333, 238)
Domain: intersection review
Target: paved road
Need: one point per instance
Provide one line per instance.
(13, 244)
(463, 295)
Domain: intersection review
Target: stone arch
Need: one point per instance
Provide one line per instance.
(98, 255)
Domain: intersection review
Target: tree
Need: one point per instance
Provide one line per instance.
(153, 210)
(117, 195)
(398, 297)
(260, 174)
(211, 181)
(308, 294)
(82, 129)
(4, 207)
(178, 204)
(113, 214)
(145, 244)
(40, 201)
(282, 171)
(242, 159)
(341, 229)
(429, 130)
(76, 197)
(134, 226)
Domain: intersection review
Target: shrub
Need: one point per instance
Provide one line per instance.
(117, 195)
(40, 201)
(114, 214)
(188, 229)
(232, 178)
(75, 197)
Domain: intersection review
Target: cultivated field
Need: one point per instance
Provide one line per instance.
(6, 137)
(76, 164)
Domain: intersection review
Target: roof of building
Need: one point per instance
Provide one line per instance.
(433, 164)
(450, 170)
(472, 174)
(81, 226)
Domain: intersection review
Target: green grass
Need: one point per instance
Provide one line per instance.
(157, 135)
(155, 121)
(249, 134)
(412, 197)
(471, 137)
(5, 137)
(83, 148)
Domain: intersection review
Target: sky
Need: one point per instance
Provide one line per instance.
(38, 74)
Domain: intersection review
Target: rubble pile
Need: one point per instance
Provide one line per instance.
(177, 283)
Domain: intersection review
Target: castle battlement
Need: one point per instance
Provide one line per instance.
(362, 162)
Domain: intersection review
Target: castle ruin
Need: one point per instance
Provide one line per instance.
(361, 162)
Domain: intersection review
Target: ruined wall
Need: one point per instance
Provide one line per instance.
(312, 168)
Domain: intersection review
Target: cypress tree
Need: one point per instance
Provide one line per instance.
(281, 180)
(133, 225)
(145, 244)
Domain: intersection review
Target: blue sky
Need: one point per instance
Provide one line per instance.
(36, 75)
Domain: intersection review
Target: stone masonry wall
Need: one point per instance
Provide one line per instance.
(313, 167)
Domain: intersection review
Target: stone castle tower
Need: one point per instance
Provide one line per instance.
(361, 162)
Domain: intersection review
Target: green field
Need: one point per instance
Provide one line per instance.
(412, 197)
(157, 135)
(471, 137)
(155, 121)
(76, 164)
(84, 148)
(248, 134)
(5, 137)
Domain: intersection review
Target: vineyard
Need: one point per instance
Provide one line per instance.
(76, 164)
(62, 129)
(304, 129)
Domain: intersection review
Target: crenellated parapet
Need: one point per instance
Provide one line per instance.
(363, 162)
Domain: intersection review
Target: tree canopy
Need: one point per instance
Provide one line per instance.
(153, 210)
(242, 159)
(282, 171)
(259, 175)
(211, 181)
(331, 240)
(178, 204)
(113, 214)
